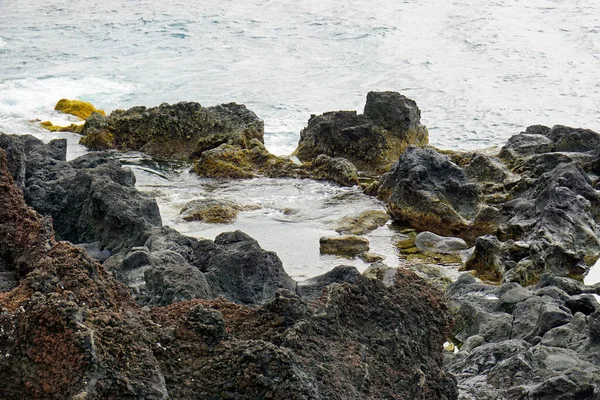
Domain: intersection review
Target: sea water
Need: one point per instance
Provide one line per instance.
(480, 72)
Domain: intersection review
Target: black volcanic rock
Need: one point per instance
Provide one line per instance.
(70, 330)
(427, 191)
(372, 140)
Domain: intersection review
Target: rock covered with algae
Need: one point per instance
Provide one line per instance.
(77, 108)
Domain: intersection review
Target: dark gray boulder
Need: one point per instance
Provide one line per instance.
(371, 141)
(243, 272)
(428, 192)
(90, 199)
(395, 113)
(523, 145)
(573, 139)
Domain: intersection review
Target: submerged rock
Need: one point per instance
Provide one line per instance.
(347, 245)
(371, 141)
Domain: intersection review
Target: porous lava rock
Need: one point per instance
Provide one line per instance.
(428, 192)
(525, 343)
(372, 140)
(183, 130)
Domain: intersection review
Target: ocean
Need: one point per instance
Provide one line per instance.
(480, 72)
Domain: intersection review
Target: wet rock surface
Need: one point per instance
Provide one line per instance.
(428, 192)
(210, 210)
(233, 162)
(70, 330)
(348, 245)
(538, 199)
(222, 319)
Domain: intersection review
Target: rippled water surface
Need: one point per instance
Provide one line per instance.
(479, 70)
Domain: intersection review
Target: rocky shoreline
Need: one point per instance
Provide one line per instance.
(131, 308)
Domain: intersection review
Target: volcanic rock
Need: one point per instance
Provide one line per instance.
(371, 141)
(183, 130)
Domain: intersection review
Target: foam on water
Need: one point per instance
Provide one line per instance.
(479, 71)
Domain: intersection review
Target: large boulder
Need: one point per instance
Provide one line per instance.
(428, 192)
(372, 140)
(183, 130)
(243, 272)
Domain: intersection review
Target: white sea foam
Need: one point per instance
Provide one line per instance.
(479, 71)
(35, 98)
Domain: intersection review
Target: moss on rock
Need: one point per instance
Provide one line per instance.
(78, 108)
(102, 140)
(363, 222)
(344, 245)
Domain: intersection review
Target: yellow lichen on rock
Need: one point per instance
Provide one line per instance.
(76, 128)
(78, 108)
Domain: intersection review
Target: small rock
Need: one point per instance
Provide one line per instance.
(210, 211)
(486, 258)
(371, 257)
(362, 223)
(343, 245)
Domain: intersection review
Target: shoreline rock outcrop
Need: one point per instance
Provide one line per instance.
(182, 131)
(372, 140)
(543, 212)
(517, 342)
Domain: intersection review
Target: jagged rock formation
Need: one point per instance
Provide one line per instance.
(428, 192)
(372, 140)
(544, 212)
(525, 343)
(183, 130)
